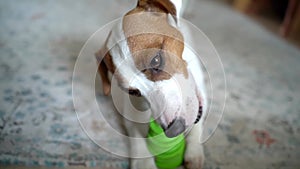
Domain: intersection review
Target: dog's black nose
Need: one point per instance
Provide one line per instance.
(176, 127)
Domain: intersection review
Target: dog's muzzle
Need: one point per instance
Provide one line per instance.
(177, 126)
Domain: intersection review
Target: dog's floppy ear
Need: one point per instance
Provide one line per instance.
(105, 65)
(165, 5)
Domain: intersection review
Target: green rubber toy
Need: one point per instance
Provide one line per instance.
(168, 152)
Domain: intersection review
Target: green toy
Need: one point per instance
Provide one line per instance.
(168, 152)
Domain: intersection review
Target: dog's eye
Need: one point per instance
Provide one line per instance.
(156, 62)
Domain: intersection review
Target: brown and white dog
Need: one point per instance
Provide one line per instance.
(148, 59)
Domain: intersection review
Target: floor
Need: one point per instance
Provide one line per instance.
(39, 45)
(271, 20)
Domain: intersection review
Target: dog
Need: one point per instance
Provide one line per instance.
(155, 75)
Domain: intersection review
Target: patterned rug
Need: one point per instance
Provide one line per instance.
(40, 42)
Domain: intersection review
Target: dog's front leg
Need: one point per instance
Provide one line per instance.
(137, 132)
(139, 153)
(194, 156)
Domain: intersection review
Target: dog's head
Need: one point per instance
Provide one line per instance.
(149, 62)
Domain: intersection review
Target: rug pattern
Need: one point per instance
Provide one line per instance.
(38, 124)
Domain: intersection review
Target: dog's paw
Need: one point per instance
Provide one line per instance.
(194, 156)
(145, 163)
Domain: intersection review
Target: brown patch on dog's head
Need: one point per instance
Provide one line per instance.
(151, 38)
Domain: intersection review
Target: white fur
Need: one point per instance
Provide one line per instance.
(175, 97)
(122, 59)
(194, 66)
(178, 5)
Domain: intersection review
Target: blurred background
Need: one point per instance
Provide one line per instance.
(280, 16)
(258, 43)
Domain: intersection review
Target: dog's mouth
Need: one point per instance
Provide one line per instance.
(178, 125)
(199, 115)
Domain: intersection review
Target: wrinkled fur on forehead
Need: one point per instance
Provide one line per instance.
(139, 21)
(140, 24)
